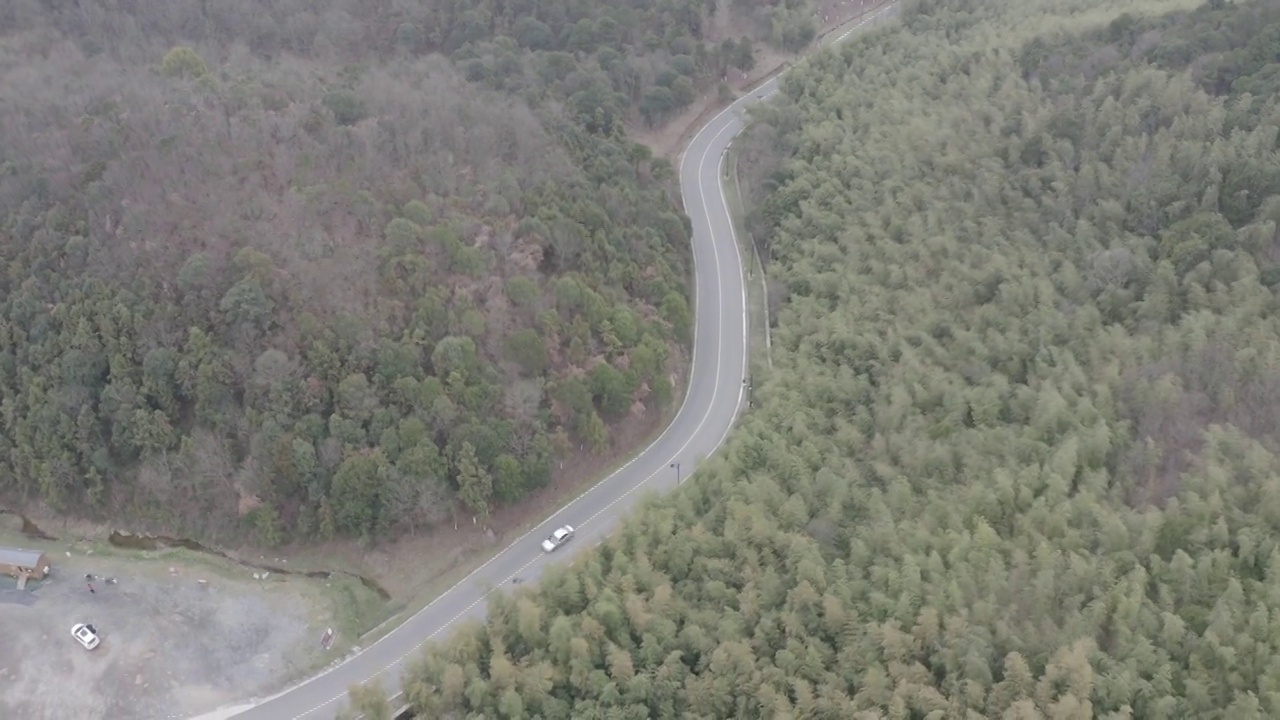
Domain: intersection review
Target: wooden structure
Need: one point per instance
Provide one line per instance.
(24, 564)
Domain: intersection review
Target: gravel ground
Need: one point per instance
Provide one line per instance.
(171, 647)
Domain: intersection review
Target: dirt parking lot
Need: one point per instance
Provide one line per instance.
(172, 647)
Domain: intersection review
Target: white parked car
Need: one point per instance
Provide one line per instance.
(87, 635)
(558, 538)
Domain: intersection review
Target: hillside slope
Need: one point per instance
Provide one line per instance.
(257, 294)
(1019, 456)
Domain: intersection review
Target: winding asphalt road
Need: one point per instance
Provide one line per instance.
(717, 392)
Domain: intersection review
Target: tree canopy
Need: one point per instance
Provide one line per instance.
(1019, 455)
(287, 271)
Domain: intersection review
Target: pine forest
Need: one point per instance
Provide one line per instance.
(1018, 454)
(284, 271)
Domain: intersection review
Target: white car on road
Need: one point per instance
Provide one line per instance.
(558, 538)
(87, 635)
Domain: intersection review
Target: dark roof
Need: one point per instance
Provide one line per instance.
(19, 557)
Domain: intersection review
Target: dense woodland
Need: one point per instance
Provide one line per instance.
(285, 271)
(1019, 457)
(604, 59)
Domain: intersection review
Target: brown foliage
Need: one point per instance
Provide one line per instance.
(1173, 403)
(164, 169)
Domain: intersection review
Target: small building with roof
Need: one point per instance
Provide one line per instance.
(24, 564)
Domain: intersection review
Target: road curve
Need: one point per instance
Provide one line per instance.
(716, 394)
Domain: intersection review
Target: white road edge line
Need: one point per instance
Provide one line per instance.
(692, 435)
(745, 100)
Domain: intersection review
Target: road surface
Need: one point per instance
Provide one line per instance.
(717, 392)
